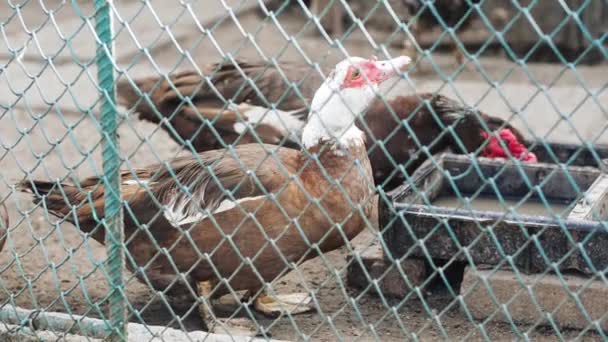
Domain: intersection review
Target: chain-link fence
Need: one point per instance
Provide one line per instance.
(176, 168)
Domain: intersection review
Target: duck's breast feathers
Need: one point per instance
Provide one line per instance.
(220, 180)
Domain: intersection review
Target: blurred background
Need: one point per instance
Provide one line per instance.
(540, 64)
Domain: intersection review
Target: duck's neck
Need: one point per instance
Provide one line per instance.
(333, 130)
(342, 159)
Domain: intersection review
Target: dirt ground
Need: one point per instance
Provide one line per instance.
(50, 131)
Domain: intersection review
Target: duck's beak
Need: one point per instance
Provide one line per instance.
(387, 68)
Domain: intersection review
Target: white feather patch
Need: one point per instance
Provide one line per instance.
(286, 122)
(135, 182)
(186, 212)
(239, 127)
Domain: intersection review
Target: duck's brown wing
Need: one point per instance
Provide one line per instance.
(259, 84)
(194, 105)
(222, 178)
(183, 192)
(262, 84)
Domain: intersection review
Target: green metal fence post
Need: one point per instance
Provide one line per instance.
(111, 167)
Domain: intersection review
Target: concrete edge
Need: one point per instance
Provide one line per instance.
(34, 322)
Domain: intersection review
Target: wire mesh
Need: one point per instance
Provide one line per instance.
(475, 209)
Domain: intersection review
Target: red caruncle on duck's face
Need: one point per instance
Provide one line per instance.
(355, 77)
(358, 73)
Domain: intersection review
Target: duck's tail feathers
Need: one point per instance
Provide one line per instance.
(67, 201)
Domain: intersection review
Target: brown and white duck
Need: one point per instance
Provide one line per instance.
(238, 219)
(183, 103)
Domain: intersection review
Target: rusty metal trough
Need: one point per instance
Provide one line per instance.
(578, 240)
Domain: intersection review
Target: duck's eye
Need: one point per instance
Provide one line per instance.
(356, 73)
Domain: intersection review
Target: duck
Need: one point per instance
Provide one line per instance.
(221, 106)
(162, 100)
(237, 219)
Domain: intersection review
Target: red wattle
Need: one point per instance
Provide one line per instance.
(517, 149)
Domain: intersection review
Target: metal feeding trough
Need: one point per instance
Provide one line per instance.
(571, 154)
(493, 210)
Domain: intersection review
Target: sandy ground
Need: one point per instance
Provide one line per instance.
(49, 131)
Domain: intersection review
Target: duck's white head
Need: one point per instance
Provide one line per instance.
(346, 93)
